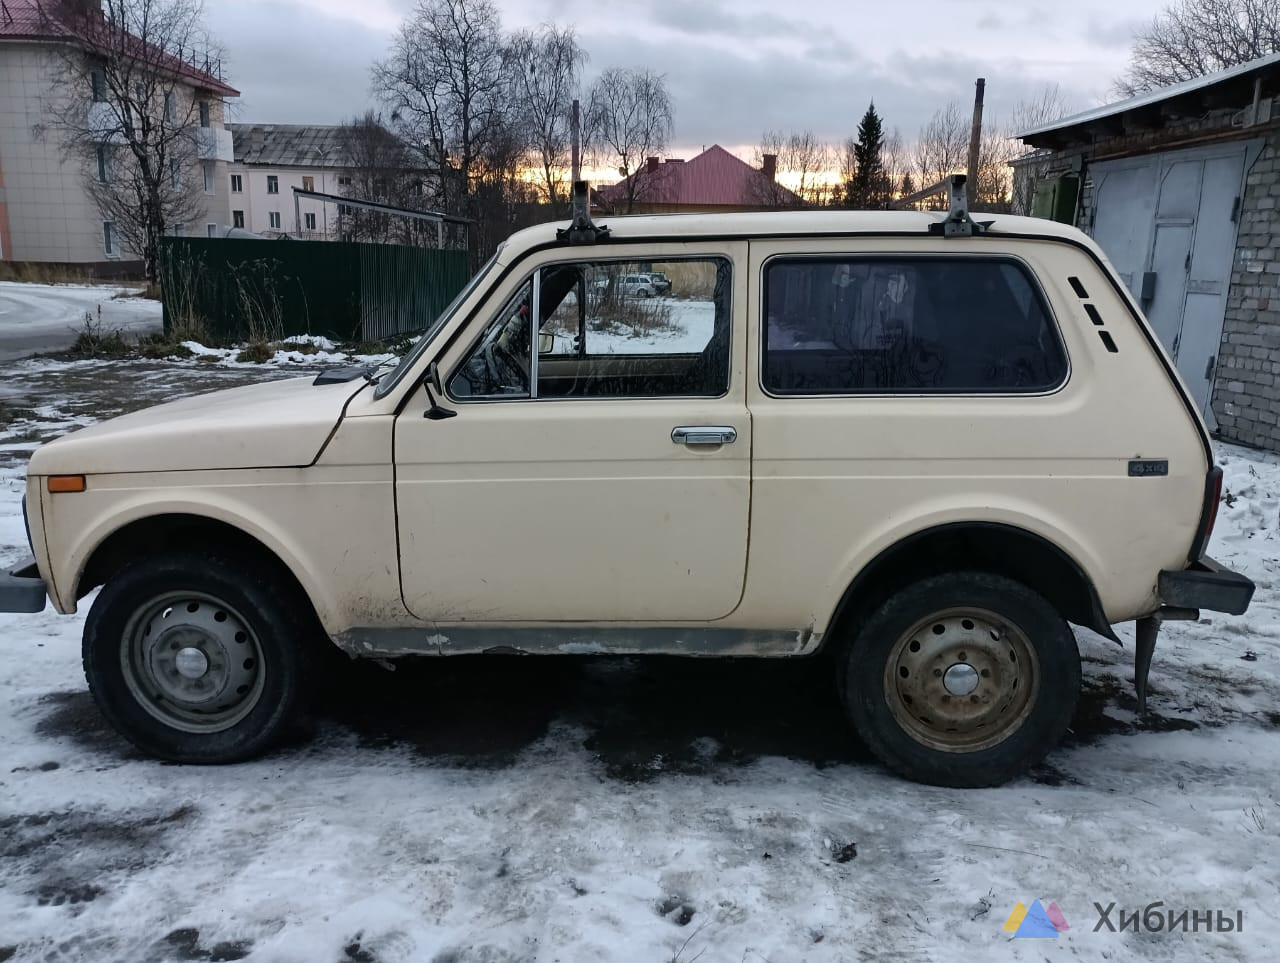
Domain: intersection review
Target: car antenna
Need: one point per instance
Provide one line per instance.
(581, 229)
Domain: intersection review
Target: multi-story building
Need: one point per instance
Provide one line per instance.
(270, 161)
(47, 213)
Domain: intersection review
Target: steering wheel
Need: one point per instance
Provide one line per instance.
(504, 369)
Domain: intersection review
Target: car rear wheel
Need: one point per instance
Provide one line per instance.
(196, 659)
(965, 679)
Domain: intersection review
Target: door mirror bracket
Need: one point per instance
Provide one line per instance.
(436, 412)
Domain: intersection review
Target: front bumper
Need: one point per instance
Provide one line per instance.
(22, 589)
(1206, 585)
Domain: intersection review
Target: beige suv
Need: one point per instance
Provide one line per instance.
(913, 445)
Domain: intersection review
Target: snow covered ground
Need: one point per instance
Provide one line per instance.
(47, 317)
(596, 810)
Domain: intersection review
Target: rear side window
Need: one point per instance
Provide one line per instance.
(909, 325)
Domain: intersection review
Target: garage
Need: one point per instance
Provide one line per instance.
(1180, 188)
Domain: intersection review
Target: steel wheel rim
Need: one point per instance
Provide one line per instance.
(962, 679)
(192, 662)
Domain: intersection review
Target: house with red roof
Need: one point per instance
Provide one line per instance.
(713, 181)
(47, 213)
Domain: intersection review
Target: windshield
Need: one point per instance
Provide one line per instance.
(409, 360)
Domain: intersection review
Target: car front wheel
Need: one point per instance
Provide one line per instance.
(965, 679)
(196, 659)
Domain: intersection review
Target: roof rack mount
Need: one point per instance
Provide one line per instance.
(957, 223)
(582, 230)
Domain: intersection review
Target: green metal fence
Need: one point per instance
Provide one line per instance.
(239, 288)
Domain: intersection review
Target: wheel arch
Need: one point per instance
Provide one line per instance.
(169, 530)
(993, 547)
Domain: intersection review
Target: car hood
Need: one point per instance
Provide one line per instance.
(279, 424)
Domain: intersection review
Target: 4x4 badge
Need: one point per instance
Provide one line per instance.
(1145, 467)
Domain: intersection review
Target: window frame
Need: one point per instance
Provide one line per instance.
(534, 275)
(237, 183)
(110, 244)
(274, 221)
(210, 177)
(309, 220)
(273, 183)
(1029, 272)
(237, 219)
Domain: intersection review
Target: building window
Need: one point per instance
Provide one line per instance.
(204, 113)
(175, 175)
(209, 187)
(344, 181)
(308, 183)
(170, 107)
(310, 220)
(273, 184)
(98, 84)
(211, 230)
(104, 165)
(109, 238)
(237, 219)
(274, 219)
(237, 184)
(179, 230)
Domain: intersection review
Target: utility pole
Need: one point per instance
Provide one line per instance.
(576, 136)
(975, 141)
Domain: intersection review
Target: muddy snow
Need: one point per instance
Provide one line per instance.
(591, 809)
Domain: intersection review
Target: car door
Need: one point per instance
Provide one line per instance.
(604, 480)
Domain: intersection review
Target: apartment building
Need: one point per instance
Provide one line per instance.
(270, 161)
(46, 211)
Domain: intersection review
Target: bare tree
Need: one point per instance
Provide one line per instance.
(942, 149)
(1191, 38)
(382, 171)
(124, 104)
(802, 163)
(1049, 105)
(629, 119)
(448, 82)
(548, 65)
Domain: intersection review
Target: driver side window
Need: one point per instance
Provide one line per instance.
(607, 329)
(498, 366)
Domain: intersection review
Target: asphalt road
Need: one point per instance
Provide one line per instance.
(36, 318)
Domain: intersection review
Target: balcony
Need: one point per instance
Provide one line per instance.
(214, 144)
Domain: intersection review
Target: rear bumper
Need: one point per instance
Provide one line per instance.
(22, 589)
(1206, 585)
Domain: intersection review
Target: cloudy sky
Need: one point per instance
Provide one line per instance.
(735, 67)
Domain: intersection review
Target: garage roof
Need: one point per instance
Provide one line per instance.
(1152, 98)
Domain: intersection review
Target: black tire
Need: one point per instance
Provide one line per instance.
(250, 630)
(909, 669)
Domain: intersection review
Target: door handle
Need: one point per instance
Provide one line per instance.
(704, 435)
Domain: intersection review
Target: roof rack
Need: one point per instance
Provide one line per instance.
(958, 223)
(582, 230)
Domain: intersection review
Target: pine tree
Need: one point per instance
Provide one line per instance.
(866, 189)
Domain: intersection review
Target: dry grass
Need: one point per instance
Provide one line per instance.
(35, 273)
(256, 352)
(690, 280)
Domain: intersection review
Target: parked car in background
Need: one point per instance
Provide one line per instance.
(661, 283)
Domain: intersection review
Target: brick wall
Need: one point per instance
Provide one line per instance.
(1246, 396)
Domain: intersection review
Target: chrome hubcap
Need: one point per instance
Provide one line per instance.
(192, 662)
(962, 680)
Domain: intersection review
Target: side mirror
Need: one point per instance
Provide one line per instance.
(546, 343)
(433, 373)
